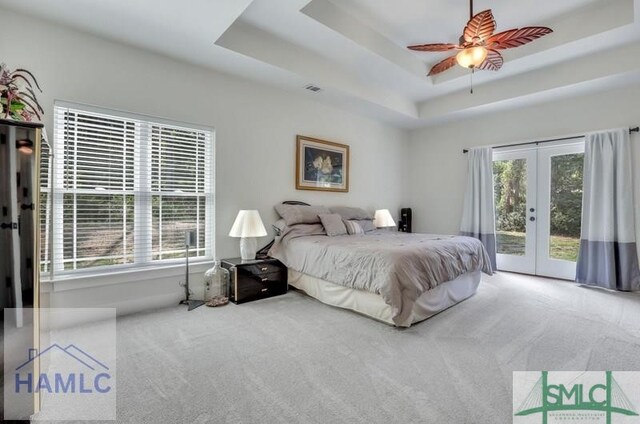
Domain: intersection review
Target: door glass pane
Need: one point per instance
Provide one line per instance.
(510, 184)
(566, 206)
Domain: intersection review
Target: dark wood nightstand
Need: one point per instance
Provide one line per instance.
(257, 279)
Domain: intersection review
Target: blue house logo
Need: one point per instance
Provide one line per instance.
(89, 375)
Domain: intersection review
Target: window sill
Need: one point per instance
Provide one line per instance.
(133, 275)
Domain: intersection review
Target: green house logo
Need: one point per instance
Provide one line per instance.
(602, 395)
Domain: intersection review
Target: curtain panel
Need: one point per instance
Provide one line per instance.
(478, 217)
(608, 254)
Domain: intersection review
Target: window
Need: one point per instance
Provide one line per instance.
(124, 190)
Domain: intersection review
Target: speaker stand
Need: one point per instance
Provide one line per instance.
(191, 304)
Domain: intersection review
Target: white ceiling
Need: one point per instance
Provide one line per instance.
(356, 49)
(407, 22)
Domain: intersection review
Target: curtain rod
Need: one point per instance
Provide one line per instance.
(631, 130)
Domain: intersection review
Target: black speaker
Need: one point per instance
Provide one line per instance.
(405, 220)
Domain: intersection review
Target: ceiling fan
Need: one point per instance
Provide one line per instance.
(478, 46)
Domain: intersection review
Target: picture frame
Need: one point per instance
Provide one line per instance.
(321, 165)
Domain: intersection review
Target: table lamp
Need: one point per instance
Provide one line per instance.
(248, 226)
(383, 219)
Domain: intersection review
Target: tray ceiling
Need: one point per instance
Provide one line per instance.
(355, 50)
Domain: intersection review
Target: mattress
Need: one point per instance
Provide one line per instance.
(373, 305)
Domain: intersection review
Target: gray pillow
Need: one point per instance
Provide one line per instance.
(333, 224)
(303, 230)
(300, 214)
(366, 224)
(279, 226)
(351, 213)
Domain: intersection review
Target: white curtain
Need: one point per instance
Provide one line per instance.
(608, 256)
(478, 217)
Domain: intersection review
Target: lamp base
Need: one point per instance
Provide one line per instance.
(248, 248)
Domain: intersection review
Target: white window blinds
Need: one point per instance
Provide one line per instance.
(45, 207)
(178, 189)
(126, 189)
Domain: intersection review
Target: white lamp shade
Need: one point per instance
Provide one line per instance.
(248, 224)
(383, 218)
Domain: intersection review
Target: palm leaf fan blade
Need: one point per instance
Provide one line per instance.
(448, 63)
(481, 26)
(517, 37)
(436, 47)
(493, 62)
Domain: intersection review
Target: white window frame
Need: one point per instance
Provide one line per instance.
(142, 184)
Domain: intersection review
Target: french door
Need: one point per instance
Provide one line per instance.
(539, 209)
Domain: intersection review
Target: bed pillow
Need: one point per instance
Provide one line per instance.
(303, 230)
(300, 214)
(279, 226)
(351, 213)
(353, 227)
(366, 224)
(333, 224)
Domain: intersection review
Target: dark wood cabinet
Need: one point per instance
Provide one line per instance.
(253, 280)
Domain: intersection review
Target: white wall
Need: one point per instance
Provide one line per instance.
(255, 132)
(438, 166)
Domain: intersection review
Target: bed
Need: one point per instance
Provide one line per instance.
(397, 278)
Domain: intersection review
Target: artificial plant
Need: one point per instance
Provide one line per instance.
(17, 97)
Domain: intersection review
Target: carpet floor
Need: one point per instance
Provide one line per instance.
(292, 359)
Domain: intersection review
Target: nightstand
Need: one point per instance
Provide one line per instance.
(257, 279)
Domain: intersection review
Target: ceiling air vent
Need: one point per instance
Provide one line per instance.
(313, 88)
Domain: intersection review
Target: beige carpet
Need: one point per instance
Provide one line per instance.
(292, 359)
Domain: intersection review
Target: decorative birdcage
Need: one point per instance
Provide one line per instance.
(216, 283)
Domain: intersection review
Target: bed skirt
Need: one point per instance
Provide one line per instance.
(372, 305)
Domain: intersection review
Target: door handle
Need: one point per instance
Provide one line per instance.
(533, 218)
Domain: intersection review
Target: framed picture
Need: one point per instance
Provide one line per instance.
(321, 165)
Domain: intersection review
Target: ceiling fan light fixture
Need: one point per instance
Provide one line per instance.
(472, 57)
(479, 46)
